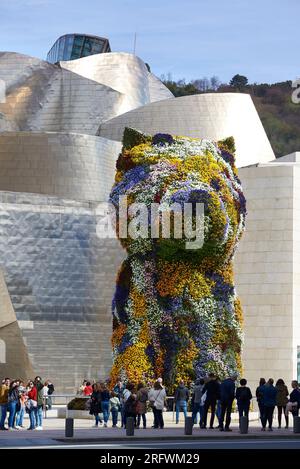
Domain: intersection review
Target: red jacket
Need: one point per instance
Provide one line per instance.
(88, 390)
(32, 394)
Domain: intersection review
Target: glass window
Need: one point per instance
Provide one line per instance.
(78, 41)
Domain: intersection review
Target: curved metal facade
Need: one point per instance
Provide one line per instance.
(54, 169)
(214, 116)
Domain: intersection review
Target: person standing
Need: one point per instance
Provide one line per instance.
(281, 402)
(197, 400)
(21, 412)
(269, 402)
(105, 403)
(114, 404)
(13, 401)
(295, 398)
(95, 408)
(31, 404)
(157, 396)
(118, 390)
(4, 389)
(181, 399)
(40, 402)
(48, 391)
(130, 407)
(141, 408)
(259, 398)
(243, 396)
(212, 390)
(126, 394)
(227, 394)
(87, 390)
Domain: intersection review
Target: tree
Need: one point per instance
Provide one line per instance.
(215, 83)
(238, 81)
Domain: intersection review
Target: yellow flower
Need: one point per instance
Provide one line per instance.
(174, 277)
(139, 303)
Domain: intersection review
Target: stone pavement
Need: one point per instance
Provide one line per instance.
(53, 432)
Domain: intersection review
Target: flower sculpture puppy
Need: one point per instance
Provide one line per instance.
(175, 310)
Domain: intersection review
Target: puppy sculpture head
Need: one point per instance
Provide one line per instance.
(175, 309)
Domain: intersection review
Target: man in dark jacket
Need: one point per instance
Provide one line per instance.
(212, 390)
(40, 402)
(181, 399)
(227, 393)
(269, 401)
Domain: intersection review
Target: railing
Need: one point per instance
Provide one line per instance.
(68, 397)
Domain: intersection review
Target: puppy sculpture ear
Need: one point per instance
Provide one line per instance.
(227, 144)
(133, 137)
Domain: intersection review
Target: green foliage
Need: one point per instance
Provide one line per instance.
(133, 137)
(228, 144)
(238, 81)
(78, 403)
(279, 115)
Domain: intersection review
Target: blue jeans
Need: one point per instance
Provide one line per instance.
(114, 415)
(105, 410)
(4, 408)
(38, 413)
(12, 407)
(122, 415)
(20, 417)
(32, 419)
(97, 419)
(197, 408)
(181, 405)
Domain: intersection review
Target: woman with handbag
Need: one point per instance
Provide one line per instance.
(31, 404)
(157, 396)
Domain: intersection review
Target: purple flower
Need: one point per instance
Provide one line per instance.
(162, 139)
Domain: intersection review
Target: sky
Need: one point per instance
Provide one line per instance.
(187, 38)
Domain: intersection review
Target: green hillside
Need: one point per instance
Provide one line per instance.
(279, 115)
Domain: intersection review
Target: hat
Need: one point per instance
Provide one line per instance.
(159, 380)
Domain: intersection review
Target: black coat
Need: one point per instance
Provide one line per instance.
(96, 403)
(212, 389)
(130, 406)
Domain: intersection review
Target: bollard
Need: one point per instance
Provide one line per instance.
(130, 426)
(296, 424)
(188, 426)
(244, 425)
(69, 428)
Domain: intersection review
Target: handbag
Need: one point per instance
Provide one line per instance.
(30, 404)
(203, 399)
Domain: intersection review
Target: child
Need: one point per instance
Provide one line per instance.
(114, 403)
(243, 396)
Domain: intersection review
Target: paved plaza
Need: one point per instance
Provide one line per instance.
(53, 434)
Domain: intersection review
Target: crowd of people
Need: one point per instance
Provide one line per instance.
(16, 399)
(127, 401)
(218, 397)
(206, 395)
